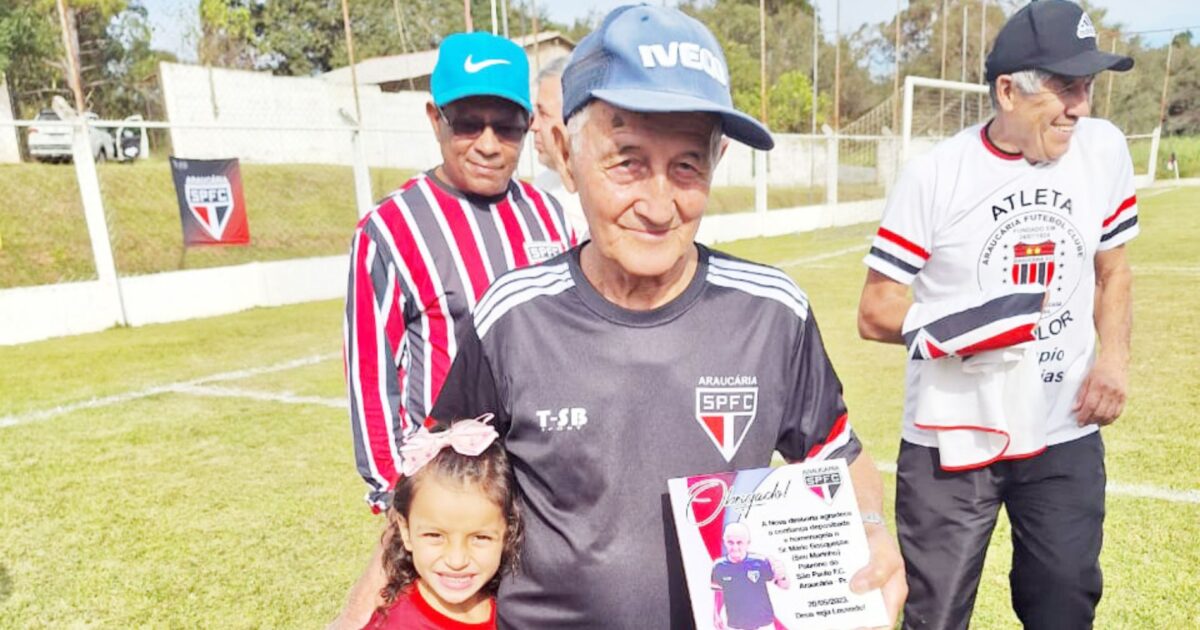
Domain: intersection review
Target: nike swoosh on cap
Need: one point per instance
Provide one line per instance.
(472, 68)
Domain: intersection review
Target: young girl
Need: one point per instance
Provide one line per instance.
(453, 527)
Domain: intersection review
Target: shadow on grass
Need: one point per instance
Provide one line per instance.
(5, 584)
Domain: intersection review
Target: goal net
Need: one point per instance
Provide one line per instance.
(934, 109)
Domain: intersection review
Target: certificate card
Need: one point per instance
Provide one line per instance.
(774, 548)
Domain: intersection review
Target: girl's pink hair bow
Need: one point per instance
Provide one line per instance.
(467, 437)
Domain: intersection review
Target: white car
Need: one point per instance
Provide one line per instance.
(52, 143)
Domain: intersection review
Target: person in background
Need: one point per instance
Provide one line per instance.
(547, 118)
(1012, 236)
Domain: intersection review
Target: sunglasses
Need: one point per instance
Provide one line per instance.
(471, 128)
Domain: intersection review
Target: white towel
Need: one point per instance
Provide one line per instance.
(988, 406)
(983, 409)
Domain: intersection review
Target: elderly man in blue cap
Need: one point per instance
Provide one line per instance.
(421, 260)
(644, 321)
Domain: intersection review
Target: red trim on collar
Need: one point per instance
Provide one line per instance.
(992, 148)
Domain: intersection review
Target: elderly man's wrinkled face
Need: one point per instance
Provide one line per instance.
(643, 182)
(481, 138)
(1046, 119)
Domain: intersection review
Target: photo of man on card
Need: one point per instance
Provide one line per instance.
(739, 581)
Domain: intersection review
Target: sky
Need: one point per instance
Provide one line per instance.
(173, 20)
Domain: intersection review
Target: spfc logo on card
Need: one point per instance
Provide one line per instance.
(725, 414)
(210, 199)
(824, 484)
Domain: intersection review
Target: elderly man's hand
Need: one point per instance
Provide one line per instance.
(884, 571)
(1101, 398)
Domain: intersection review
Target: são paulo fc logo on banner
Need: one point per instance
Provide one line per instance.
(726, 413)
(210, 199)
(824, 484)
(1033, 263)
(212, 210)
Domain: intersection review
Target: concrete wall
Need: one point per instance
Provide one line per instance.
(721, 228)
(195, 94)
(9, 149)
(34, 313)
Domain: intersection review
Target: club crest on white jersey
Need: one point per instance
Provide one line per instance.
(1034, 242)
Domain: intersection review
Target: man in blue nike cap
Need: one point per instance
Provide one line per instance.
(423, 258)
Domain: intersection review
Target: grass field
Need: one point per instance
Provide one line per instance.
(200, 474)
(1185, 148)
(294, 210)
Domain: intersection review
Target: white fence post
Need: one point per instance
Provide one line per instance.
(9, 142)
(760, 181)
(362, 175)
(831, 166)
(1153, 166)
(93, 211)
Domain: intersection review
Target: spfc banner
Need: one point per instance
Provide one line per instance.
(212, 209)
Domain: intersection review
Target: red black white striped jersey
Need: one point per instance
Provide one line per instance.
(969, 220)
(419, 263)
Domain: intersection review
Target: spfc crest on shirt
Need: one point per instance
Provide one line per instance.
(726, 413)
(753, 576)
(824, 484)
(1033, 263)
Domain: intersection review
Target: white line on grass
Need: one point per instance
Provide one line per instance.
(285, 397)
(116, 399)
(796, 262)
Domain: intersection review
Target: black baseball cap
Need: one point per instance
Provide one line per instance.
(1051, 35)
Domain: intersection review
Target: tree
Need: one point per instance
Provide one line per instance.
(29, 44)
(226, 30)
(117, 66)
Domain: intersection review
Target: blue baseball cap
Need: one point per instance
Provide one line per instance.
(480, 64)
(649, 59)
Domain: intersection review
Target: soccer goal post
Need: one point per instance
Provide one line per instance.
(935, 109)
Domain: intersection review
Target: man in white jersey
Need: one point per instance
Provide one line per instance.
(1026, 214)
